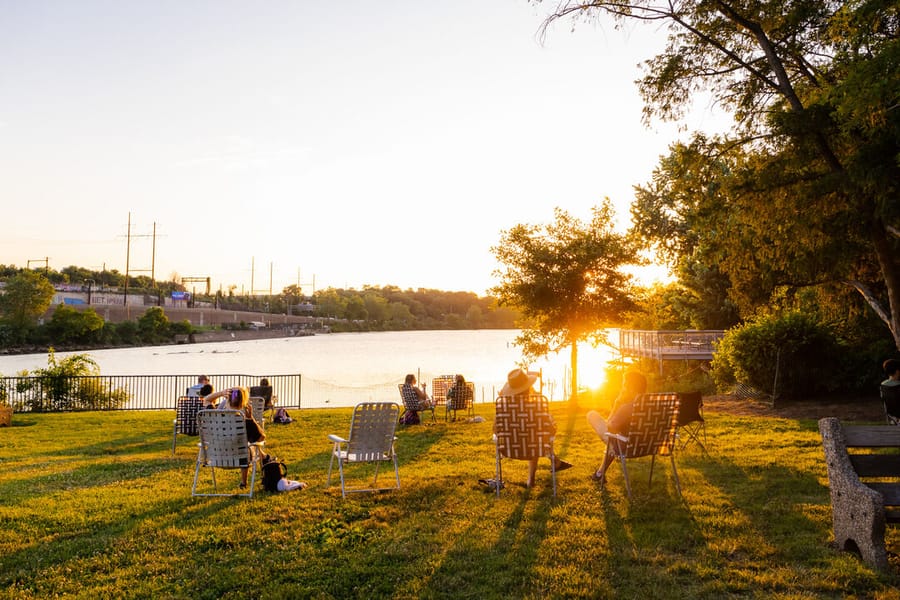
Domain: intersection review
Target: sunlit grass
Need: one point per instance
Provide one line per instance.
(94, 505)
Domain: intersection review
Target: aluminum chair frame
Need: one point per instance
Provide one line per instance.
(223, 445)
(371, 440)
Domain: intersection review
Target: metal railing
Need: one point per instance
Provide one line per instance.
(669, 344)
(127, 392)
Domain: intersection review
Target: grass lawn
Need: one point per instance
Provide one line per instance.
(93, 505)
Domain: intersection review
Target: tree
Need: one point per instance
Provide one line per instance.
(813, 176)
(567, 279)
(153, 324)
(26, 297)
(68, 325)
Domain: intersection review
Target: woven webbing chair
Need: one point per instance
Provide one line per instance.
(651, 431)
(223, 445)
(440, 385)
(463, 399)
(412, 402)
(257, 409)
(185, 423)
(371, 440)
(522, 431)
(691, 427)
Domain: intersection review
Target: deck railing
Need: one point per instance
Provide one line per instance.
(669, 344)
(127, 392)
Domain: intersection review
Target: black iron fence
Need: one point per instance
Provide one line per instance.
(127, 392)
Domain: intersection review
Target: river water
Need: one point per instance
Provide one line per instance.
(343, 369)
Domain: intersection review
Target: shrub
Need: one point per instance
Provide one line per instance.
(72, 383)
(804, 354)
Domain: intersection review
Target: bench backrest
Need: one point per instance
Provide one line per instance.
(874, 454)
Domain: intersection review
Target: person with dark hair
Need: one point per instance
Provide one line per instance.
(459, 396)
(201, 388)
(633, 385)
(890, 391)
(409, 388)
(892, 371)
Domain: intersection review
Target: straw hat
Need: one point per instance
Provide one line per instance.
(518, 381)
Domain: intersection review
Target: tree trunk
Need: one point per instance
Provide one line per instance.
(889, 271)
(573, 398)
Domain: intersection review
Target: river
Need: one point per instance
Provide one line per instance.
(342, 369)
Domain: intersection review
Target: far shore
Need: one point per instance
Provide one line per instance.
(213, 336)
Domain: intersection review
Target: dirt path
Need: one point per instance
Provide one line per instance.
(851, 409)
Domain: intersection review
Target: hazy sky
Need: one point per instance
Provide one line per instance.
(354, 142)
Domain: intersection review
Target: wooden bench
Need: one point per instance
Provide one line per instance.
(865, 485)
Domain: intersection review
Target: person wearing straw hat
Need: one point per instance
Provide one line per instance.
(521, 383)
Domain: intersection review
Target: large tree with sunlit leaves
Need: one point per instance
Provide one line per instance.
(569, 280)
(804, 191)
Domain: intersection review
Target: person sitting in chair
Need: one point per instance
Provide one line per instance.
(413, 392)
(458, 396)
(633, 385)
(890, 391)
(520, 384)
(237, 399)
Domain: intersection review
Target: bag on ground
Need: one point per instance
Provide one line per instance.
(274, 471)
(410, 417)
(281, 417)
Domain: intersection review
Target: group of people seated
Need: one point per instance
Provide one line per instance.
(238, 398)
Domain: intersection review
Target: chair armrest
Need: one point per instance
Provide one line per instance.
(337, 439)
(616, 436)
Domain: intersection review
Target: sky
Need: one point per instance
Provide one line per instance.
(343, 144)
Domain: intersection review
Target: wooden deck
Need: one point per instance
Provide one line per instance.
(690, 344)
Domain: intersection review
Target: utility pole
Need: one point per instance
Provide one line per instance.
(128, 270)
(45, 260)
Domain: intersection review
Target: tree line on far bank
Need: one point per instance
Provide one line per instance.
(27, 295)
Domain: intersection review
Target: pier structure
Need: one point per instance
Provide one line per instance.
(689, 344)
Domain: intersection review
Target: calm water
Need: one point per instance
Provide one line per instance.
(342, 369)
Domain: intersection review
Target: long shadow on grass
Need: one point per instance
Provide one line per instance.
(19, 489)
(770, 499)
(70, 539)
(500, 546)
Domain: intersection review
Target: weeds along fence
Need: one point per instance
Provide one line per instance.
(126, 392)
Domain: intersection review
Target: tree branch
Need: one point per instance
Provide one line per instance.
(872, 301)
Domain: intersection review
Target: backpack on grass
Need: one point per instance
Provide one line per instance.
(273, 470)
(281, 417)
(410, 417)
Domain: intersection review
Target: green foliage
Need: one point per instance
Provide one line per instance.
(566, 277)
(183, 327)
(805, 189)
(390, 308)
(805, 356)
(26, 296)
(70, 326)
(63, 385)
(153, 325)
